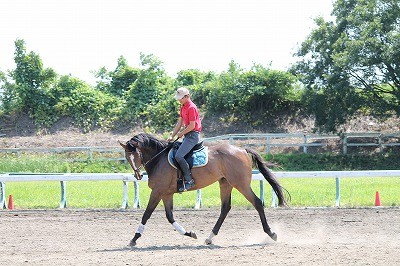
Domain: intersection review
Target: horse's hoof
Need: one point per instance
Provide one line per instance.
(193, 235)
(132, 243)
(274, 236)
(208, 241)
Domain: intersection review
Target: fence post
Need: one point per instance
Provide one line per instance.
(3, 204)
(305, 144)
(136, 201)
(63, 202)
(90, 154)
(344, 144)
(198, 199)
(268, 146)
(337, 191)
(125, 195)
(380, 144)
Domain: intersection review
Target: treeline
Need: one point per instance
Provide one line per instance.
(141, 95)
(345, 66)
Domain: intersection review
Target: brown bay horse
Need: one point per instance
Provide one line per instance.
(231, 166)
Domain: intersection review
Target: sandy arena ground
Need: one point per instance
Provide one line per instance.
(313, 236)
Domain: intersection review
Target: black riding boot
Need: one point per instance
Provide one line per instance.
(187, 176)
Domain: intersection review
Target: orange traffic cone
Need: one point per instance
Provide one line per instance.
(377, 199)
(10, 203)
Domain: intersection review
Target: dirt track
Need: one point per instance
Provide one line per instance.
(100, 237)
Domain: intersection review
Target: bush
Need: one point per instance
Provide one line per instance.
(260, 91)
(89, 107)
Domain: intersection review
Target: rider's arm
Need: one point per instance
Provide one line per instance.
(189, 128)
(178, 127)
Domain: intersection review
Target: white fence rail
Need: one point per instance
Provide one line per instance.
(125, 178)
(271, 140)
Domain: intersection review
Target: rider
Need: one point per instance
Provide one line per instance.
(190, 119)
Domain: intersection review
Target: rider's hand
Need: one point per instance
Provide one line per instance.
(180, 134)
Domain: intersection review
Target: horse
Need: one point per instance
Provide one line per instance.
(230, 165)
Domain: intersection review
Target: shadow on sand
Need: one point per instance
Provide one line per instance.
(179, 247)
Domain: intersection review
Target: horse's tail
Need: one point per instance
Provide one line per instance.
(269, 176)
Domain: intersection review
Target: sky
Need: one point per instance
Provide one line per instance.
(78, 37)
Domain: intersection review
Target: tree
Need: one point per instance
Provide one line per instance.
(88, 107)
(254, 95)
(33, 83)
(268, 93)
(225, 94)
(9, 101)
(103, 81)
(196, 81)
(149, 97)
(117, 82)
(352, 64)
(193, 77)
(123, 77)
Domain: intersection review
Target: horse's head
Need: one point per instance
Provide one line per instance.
(133, 156)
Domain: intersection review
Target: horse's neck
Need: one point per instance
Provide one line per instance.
(148, 154)
(151, 155)
(150, 159)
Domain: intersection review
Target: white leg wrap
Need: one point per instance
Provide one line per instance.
(179, 228)
(211, 236)
(140, 229)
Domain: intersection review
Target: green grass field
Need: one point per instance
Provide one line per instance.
(318, 192)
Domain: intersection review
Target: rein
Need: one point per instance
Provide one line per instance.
(144, 164)
(158, 154)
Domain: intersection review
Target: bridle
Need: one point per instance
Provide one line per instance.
(137, 171)
(144, 164)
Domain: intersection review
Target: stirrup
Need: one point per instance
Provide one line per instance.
(186, 185)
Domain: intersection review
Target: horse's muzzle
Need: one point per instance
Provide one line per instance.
(138, 174)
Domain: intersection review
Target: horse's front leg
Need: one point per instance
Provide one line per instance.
(169, 205)
(152, 204)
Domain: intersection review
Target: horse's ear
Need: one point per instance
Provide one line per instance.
(122, 144)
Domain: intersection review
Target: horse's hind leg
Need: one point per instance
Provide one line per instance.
(256, 202)
(169, 205)
(152, 204)
(225, 193)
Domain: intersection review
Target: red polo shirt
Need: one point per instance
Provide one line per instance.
(189, 112)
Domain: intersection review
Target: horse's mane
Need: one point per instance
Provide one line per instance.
(149, 141)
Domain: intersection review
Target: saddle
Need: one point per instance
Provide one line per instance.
(197, 157)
